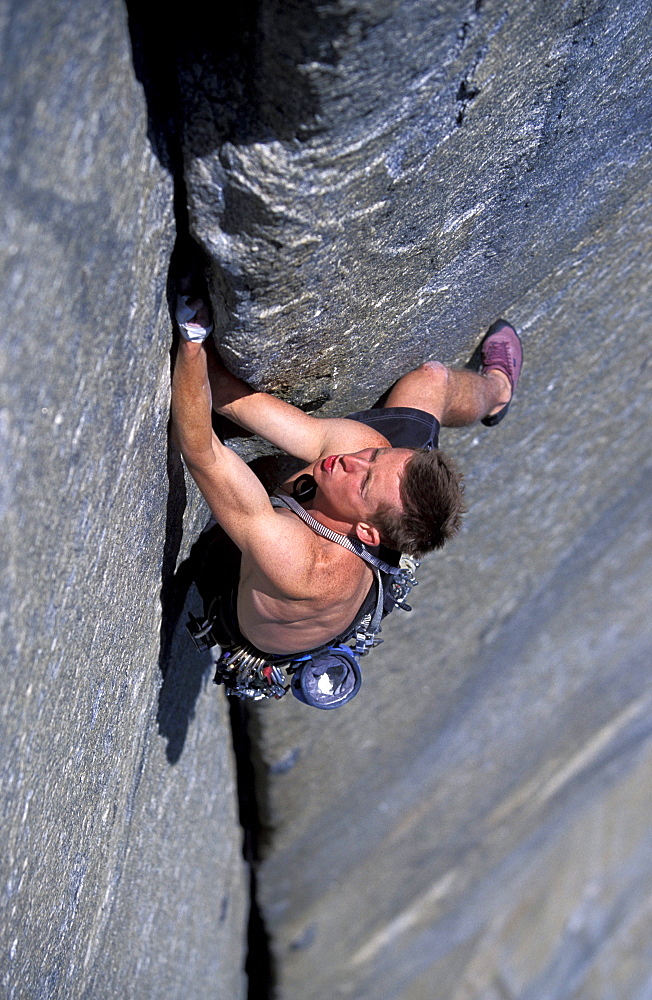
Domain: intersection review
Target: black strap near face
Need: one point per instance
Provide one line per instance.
(304, 488)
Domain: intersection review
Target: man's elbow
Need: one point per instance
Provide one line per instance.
(197, 459)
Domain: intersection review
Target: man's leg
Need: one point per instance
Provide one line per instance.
(455, 398)
(460, 397)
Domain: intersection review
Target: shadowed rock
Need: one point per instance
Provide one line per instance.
(122, 874)
(372, 183)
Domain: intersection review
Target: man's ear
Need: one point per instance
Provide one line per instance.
(367, 533)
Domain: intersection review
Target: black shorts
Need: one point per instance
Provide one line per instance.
(403, 426)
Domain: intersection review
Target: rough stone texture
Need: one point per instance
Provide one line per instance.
(373, 183)
(121, 861)
(374, 180)
(378, 183)
(476, 824)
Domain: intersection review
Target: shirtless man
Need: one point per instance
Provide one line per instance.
(297, 589)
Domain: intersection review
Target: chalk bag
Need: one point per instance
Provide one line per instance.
(328, 679)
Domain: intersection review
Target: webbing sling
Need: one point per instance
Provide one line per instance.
(282, 499)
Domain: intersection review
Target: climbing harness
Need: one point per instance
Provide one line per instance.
(329, 675)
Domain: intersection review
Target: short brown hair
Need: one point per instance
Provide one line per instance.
(432, 492)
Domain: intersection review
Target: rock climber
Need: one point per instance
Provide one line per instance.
(376, 477)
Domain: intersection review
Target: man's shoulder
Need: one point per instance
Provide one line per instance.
(299, 563)
(319, 552)
(345, 435)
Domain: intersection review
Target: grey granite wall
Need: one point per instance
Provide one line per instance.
(121, 858)
(391, 175)
(373, 184)
(388, 178)
(476, 824)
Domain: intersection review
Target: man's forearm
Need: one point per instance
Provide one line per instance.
(191, 402)
(273, 419)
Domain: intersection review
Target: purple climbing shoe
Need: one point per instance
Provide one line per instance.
(501, 348)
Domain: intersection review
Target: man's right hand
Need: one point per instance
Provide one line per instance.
(193, 318)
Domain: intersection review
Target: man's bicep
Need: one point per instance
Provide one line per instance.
(298, 433)
(233, 492)
(239, 502)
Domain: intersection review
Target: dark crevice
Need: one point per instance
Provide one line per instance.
(259, 964)
(243, 83)
(154, 66)
(468, 91)
(170, 56)
(465, 94)
(182, 680)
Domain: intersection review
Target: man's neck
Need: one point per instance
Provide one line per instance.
(341, 527)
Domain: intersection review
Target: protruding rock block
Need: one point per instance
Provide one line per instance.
(375, 182)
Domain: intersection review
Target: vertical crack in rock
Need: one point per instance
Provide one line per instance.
(154, 61)
(466, 92)
(259, 966)
(161, 58)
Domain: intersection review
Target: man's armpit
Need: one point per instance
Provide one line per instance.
(344, 436)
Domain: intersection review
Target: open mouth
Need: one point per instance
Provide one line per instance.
(328, 463)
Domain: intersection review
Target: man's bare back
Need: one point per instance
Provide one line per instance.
(328, 596)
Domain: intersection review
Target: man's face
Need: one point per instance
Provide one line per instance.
(352, 487)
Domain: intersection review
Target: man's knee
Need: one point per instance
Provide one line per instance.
(436, 373)
(424, 388)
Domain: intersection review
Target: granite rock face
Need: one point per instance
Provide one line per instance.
(476, 824)
(116, 786)
(374, 181)
(374, 184)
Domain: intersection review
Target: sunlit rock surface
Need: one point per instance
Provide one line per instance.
(121, 848)
(478, 819)
(382, 181)
(373, 183)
